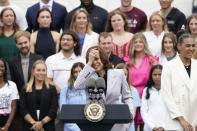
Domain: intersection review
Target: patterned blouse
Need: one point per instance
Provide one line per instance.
(123, 50)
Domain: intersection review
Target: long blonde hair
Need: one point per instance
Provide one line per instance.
(73, 26)
(132, 53)
(32, 79)
(158, 13)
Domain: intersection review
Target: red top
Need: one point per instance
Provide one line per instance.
(123, 50)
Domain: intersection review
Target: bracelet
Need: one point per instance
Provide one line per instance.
(43, 122)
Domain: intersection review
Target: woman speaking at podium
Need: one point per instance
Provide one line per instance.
(98, 65)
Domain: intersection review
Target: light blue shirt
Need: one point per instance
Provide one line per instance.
(82, 38)
(68, 96)
(136, 97)
(136, 103)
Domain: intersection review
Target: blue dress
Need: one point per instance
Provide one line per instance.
(72, 96)
(136, 103)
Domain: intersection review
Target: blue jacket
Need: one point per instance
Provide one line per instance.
(59, 14)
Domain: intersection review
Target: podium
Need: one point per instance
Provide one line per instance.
(115, 113)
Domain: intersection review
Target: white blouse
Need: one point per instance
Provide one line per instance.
(154, 42)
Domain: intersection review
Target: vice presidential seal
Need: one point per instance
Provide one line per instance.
(94, 111)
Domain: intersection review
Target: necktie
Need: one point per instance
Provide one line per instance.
(45, 6)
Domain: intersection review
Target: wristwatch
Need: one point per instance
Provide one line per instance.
(43, 122)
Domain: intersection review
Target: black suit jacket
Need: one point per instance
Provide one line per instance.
(59, 14)
(48, 106)
(16, 70)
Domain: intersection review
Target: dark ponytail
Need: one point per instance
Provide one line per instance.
(150, 81)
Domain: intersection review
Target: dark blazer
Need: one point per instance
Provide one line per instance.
(16, 70)
(48, 106)
(59, 14)
(98, 17)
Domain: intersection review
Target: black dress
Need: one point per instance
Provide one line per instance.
(45, 45)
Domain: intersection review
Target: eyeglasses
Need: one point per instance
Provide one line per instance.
(67, 39)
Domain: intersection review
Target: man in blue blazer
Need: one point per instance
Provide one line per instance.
(59, 14)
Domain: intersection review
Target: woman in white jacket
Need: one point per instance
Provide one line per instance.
(82, 26)
(152, 106)
(156, 28)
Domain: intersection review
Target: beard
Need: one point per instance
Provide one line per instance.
(68, 50)
(87, 6)
(24, 53)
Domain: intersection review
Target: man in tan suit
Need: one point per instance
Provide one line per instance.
(179, 87)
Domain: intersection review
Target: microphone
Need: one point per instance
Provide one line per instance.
(90, 85)
(100, 85)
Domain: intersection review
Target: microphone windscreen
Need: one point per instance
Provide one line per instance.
(100, 83)
(90, 83)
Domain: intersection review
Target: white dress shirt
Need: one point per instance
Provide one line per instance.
(49, 5)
